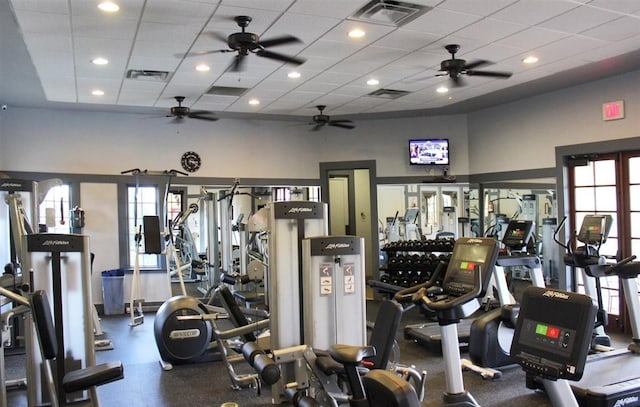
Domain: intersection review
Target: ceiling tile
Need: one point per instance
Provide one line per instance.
(579, 19)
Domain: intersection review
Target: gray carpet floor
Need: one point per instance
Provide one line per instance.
(207, 384)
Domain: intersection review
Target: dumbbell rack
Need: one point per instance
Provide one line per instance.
(413, 262)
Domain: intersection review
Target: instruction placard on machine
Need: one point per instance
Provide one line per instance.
(326, 279)
(349, 278)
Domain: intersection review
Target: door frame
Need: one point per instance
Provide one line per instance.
(340, 167)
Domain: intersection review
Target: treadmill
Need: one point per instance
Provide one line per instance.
(611, 378)
(514, 253)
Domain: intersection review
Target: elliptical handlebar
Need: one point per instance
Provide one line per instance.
(567, 246)
(613, 269)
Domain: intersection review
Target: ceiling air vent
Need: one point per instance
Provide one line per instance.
(389, 12)
(144, 75)
(388, 93)
(226, 91)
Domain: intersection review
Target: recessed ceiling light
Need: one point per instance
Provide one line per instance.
(442, 89)
(532, 59)
(203, 68)
(356, 33)
(100, 61)
(294, 74)
(97, 92)
(108, 6)
(254, 102)
(373, 82)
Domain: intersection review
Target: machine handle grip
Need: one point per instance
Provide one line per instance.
(619, 264)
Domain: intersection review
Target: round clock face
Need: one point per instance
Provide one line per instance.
(190, 161)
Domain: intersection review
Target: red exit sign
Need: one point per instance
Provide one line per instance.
(613, 110)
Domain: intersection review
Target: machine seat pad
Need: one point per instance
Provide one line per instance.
(90, 376)
(351, 354)
(328, 365)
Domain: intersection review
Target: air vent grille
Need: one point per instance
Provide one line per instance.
(389, 12)
(388, 93)
(145, 75)
(226, 91)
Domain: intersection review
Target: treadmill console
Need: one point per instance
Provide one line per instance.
(517, 234)
(553, 333)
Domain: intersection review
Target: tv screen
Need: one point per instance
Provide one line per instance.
(429, 151)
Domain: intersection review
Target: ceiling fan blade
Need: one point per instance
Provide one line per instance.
(317, 127)
(492, 74)
(345, 124)
(203, 115)
(457, 81)
(238, 63)
(176, 120)
(476, 64)
(200, 53)
(280, 57)
(218, 36)
(285, 39)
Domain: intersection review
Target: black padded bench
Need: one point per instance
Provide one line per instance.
(77, 380)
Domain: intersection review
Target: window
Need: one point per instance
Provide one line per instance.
(145, 204)
(314, 194)
(54, 210)
(282, 194)
(610, 184)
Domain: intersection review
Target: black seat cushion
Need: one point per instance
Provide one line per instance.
(97, 375)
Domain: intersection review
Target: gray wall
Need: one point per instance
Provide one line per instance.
(65, 141)
(517, 136)
(524, 134)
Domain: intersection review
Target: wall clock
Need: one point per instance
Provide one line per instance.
(190, 161)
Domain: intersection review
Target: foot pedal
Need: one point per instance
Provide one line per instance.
(103, 344)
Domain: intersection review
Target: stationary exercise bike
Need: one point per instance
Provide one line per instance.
(465, 283)
(552, 340)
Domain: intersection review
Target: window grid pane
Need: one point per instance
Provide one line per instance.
(595, 193)
(50, 211)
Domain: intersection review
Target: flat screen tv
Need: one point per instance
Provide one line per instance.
(429, 151)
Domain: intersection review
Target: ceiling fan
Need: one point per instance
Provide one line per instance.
(245, 42)
(320, 120)
(180, 112)
(454, 68)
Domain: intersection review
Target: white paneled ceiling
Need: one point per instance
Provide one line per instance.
(63, 36)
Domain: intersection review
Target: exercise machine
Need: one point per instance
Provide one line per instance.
(490, 334)
(551, 341)
(593, 233)
(515, 239)
(465, 283)
(328, 377)
(613, 378)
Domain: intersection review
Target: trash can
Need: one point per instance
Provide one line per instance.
(113, 291)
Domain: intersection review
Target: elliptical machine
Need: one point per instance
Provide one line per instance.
(491, 334)
(593, 233)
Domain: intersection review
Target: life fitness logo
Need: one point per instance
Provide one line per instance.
(626, 401)
(56, 243)
(334, 246)
(299, 210)
(555, 294)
